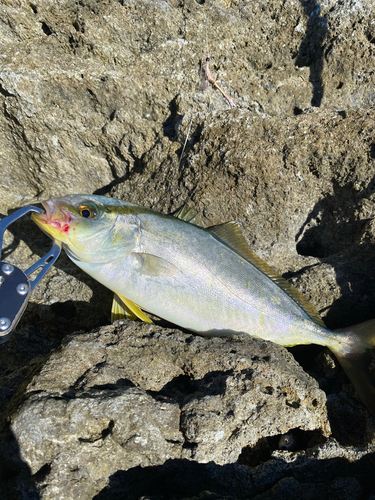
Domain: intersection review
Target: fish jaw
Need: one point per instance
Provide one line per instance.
(57, 222)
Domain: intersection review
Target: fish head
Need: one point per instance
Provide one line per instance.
(90, 229)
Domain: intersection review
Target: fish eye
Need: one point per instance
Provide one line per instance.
(87, 210)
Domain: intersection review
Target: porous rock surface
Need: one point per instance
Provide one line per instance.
(138, 395)
(100, 96)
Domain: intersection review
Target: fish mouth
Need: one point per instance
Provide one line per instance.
(55, 221)
(49, 208)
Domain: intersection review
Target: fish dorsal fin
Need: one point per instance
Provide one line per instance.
(189, 214)
(230, 234)
(123, 308)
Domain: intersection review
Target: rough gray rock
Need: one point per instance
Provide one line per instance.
(100, 96)
(136, 406)
(89, 88)
(138, 395)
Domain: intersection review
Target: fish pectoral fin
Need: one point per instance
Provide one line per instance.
(151, 265)
(230, 234)
(123, 308)
(188, 214)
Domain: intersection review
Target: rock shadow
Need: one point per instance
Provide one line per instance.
(183, 388)
(187, 145)
(104, 190)
(333, 225)
(311, 49)
(16, 481)
(181, 479)
(333, 232)
(174, 120)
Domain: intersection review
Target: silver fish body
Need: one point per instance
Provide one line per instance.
(200, 284)
(192, 277)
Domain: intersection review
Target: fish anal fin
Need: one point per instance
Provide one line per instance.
(188, 214)
(123, 308)
(231, 235)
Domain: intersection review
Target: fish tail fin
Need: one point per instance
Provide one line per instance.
(357, 358)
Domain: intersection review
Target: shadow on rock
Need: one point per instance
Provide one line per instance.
(335, 233)
(183, 388)
(302, 479)
(105, 190)
(174, 120)
(178, 479)
(334, 224)
(16, 482)
(311, 49)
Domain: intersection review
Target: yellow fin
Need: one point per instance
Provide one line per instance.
(120, 311)
(125, 308)
(188, 214)
(230, 234)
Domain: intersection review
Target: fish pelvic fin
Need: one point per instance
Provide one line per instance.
(357, 358)
(123, 308)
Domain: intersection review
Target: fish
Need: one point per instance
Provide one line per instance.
(206, 280)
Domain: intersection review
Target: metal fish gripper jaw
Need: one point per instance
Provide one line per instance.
(15, 284)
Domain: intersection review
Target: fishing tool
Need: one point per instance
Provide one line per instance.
(16, 285)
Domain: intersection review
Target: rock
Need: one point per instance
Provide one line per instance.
(90, 88)
(138, 395)
(140, 410)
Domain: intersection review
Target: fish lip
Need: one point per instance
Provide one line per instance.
(53, 210)
(45, 216)
(49, 210)
(55, 216)
(42, 217)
